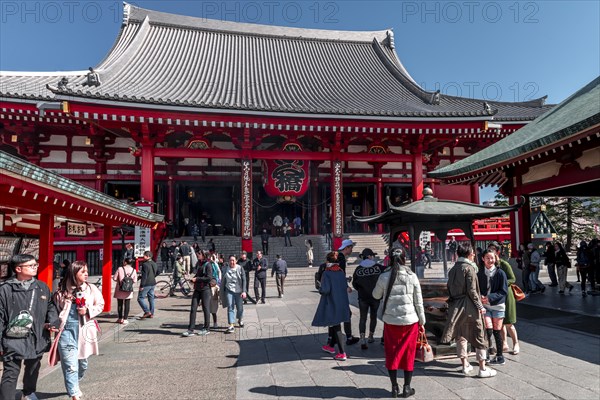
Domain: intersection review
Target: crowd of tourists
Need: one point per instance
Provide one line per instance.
(481, 304)
(558, 263)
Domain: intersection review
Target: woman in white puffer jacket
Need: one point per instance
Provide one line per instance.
(403, 317)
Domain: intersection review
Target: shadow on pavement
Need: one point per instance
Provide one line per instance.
(322, 392)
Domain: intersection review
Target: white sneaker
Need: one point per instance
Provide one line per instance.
(31, 396)
(125, 322)
(466, 370)
(486, 373)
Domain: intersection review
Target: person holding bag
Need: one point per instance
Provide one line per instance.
(125, 276)
(25, 335)
(78, 303)
(403, 316)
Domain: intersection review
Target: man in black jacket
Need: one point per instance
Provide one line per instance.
(264, 240)
(22, 291)
(202, 292)
(260, 265)
(246, 265)
(147, 283)
(364, 280)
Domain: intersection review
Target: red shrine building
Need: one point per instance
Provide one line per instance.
(236, 123)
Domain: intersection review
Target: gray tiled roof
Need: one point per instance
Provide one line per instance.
(167, 59)
(434, 210)
(578, 112)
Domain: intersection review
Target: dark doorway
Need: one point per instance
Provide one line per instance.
(359, 199)
(215, 204)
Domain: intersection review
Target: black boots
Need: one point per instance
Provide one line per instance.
(407, 391)
(395, 391)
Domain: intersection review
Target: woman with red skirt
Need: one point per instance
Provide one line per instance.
(403, 317)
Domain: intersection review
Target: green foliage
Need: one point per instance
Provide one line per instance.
(500, 200)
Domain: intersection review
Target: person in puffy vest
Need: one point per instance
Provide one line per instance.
(364, 280)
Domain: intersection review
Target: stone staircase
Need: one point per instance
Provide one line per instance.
(376, 242)
(299, 273)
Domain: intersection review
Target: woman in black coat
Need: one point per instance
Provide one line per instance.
(550, 261)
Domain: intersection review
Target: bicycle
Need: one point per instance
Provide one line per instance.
(98, 283)
(163, 288)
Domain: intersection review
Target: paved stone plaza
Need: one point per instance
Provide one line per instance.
(277, 356)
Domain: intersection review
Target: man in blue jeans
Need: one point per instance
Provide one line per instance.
(147, 282)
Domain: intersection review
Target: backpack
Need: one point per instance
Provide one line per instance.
(126, 284)
(319, 275)
(215, 273)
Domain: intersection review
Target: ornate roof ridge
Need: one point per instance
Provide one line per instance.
(133, 13)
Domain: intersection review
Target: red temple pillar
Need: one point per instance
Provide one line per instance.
(514, 227)
(379, 188)
(475, 193)
(379, 193)
(45, 269)
(170, 199)
(246, 205)
(147, 176)
(417, 174)
(520, 221)
(337, 204)
(107, 267)
(525, 221)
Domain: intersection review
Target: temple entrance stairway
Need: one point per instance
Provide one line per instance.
(299, 273)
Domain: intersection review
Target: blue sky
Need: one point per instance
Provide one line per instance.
(496, 50)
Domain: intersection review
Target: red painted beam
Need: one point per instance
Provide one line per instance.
(279, 155)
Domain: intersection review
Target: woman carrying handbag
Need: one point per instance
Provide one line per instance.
(78, 303)
(403, 317)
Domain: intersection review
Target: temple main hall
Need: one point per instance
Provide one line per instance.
(235, 123)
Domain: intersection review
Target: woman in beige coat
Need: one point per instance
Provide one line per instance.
(465, 311)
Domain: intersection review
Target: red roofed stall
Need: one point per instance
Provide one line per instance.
(34, 200)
